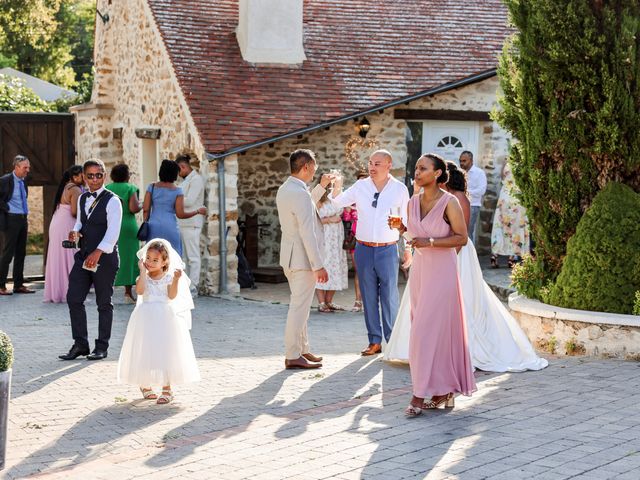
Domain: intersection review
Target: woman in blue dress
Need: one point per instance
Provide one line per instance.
(164, 204)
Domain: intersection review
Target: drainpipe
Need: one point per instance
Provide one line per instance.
(222, 212)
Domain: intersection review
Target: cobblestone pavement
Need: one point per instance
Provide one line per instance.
(249, 418)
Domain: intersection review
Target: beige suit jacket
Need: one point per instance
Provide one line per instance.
(302, 242)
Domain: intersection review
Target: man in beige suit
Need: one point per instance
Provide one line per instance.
(300, 253)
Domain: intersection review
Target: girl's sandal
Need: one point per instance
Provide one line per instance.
(165, 397)
(336, 308)
(357, 306)
(148, 393)
(324, 308)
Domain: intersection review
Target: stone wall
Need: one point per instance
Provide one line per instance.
(263, 169)
(135, 87)
(563, 331)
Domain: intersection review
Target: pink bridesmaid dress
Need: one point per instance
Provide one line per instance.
(59, 260)
(438, 353)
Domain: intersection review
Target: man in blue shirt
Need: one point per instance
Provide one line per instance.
(13, 225)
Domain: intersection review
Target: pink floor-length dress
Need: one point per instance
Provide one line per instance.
(59, 260)
(438, 353)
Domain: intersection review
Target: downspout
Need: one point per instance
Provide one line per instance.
(222, 233)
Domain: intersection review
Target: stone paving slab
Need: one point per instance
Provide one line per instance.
(249, 418)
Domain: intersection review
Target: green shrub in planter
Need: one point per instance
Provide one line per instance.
(6, 352)
(636, 305)
(529, 278)
(601, 271)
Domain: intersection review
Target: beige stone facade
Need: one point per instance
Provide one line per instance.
(135, 87)
(263, 169)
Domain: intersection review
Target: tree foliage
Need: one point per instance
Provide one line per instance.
(16, 97)
(49, 39)
(571, 97)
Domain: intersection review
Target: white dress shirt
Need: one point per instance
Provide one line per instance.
(193, 189)
(373, 222)
(114, 219)
(476, 185)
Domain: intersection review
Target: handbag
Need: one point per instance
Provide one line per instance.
(143, 231)
(349, 242)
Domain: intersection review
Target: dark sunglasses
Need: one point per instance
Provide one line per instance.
(91, 176)
(374, 204)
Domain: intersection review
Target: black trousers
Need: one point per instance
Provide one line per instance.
(80, 281)
(14, 247)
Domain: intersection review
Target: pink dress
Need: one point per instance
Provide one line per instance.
(59, 260)
(438, 352)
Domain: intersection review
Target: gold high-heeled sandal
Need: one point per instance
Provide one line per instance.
(148, 393)
(448, 401)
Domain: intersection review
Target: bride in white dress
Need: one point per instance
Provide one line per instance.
(496, 341)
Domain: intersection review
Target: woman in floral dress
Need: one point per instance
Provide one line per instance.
(510, 233)
(335, 257)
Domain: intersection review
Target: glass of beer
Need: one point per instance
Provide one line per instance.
(395, 219)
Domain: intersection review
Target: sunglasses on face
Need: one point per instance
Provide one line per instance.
(374, 204)
(91, 176)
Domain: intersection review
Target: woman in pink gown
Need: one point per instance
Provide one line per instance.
(59, 259)
(438, 353)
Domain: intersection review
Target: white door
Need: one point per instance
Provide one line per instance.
(450, 138)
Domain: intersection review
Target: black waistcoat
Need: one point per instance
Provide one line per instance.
(95, 226)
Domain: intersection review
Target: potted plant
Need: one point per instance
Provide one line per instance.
(6, 360)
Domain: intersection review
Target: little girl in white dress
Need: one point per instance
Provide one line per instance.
(157, 348)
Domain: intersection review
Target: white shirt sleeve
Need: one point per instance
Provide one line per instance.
(78, 226)
(478, 186)
(114, 219)
(346, 198)
(193, 191)
(404, 206)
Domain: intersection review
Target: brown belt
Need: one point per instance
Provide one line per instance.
(375, 244)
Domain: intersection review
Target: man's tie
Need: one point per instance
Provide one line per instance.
(23, 196)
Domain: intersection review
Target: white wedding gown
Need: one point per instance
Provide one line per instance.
(496, 341)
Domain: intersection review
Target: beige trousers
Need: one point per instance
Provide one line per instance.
(302, 284)
(191, 253)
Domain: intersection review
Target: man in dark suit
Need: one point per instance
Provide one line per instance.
(96, 263)
(13, 225)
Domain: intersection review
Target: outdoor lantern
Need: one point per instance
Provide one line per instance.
(363, 127)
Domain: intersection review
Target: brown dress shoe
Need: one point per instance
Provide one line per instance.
(23, 289)
(4, 291)
(312, 358)
(300, 362)
(372, 349)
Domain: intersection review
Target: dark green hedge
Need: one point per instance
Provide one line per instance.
(601, 271)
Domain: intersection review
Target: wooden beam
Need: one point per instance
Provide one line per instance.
(424, 114)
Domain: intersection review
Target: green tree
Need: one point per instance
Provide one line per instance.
(571, 98)
(49, 39)
(15, 97)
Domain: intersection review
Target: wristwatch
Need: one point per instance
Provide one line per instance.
(431, 240)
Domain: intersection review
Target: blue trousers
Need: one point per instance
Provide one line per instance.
(378, 274)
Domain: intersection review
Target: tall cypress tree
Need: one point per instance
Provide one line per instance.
(570, 77)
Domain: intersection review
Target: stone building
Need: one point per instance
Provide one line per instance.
(239, 84)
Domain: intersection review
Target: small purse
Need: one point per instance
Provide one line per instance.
(143, 231)
(349, 242)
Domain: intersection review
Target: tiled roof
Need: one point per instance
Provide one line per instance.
(360, 54)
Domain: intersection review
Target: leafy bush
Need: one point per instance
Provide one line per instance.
(16, 97)
(528, 277)
(570, 82)
(636, 304)
(6, 352)
(601, 271)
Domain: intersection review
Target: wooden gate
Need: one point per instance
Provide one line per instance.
(47, 140)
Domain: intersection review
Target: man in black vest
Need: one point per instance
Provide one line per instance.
(97, 228)
(13, 225)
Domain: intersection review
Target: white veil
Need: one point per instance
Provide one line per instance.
(183, 303)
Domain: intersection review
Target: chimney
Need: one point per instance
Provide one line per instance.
(270, 31)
